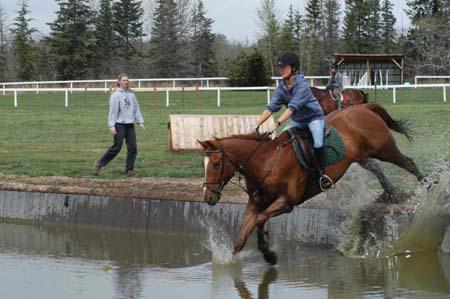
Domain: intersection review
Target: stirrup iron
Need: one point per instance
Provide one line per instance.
(325, 182)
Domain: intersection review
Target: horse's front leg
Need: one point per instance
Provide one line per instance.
(247, 227)
(278, 207)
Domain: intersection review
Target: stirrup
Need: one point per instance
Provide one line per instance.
(325, 182)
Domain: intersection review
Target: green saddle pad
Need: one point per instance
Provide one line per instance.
(334, 147)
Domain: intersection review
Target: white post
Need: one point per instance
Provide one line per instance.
(15, 98)
(139, 84)
(71, 87)
(167, 98)
(268, 95)
(66, 98)
(4, 92)
(173, 85)
(37, 88)
(394, 99)
(106, 87)
(415, 81)
(445, 93)
(276, 80)
(207, 83)
(218, 97)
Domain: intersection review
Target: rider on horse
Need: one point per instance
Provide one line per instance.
(303, 108)
(336, 83)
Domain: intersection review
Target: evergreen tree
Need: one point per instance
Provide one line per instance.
(71, 39)
(268, 22)
(331, 26)
(105, 40)
(314, 37)
(248, 70)
(203, 43)
(288, 42)
(422, 8)
(3, 45)
(356, 34)
(23, 43)
(165, 50)
(373, 26)
(387, 29)
(127, 20)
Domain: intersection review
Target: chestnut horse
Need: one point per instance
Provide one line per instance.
(274, 179)
(350, 97)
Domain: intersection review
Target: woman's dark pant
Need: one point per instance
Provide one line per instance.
(127, 132)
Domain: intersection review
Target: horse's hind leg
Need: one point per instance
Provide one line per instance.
(373, 167)
(390, 153)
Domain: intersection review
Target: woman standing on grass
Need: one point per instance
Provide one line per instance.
(123, 112)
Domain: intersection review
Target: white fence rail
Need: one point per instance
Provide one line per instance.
(70, 84)
(218, 90)
(417, 78)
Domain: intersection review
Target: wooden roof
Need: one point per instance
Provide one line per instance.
(349, 57)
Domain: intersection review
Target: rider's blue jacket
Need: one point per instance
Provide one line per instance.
(299, 99)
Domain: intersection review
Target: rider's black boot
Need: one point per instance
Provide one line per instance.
(325, 181)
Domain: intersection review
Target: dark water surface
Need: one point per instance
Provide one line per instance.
(59, 262)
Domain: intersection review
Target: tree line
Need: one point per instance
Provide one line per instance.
(173, 38)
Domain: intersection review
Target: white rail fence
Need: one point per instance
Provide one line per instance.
(442, 78)
(218, 90)
(37, 85)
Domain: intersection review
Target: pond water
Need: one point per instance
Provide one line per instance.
(61, 262)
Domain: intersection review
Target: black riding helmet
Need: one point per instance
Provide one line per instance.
(289, 58)
(334, 65)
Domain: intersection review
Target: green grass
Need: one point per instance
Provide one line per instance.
(43, 138)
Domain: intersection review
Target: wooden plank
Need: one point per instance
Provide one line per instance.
(185, 130)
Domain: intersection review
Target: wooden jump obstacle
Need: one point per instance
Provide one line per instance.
(185, 130)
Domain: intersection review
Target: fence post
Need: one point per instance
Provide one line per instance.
(218, 97)
(167, 98)
(445, 93)
(15, 98)
(268, 95)
(37, 88)
(394, 99)
(71, 87)
(66, 98)
(4, 91)
(139, 84)
(106, 87)
(173, 85)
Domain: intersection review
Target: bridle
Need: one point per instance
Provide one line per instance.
(222, 181)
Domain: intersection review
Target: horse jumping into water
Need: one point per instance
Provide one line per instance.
(350, 97)
(276, 182)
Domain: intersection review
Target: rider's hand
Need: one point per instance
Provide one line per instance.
(142, 127)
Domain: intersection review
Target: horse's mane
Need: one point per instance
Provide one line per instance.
(250, 136)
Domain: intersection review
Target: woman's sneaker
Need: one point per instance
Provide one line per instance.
(96, 168)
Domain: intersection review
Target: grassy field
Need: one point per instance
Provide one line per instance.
(43, 138)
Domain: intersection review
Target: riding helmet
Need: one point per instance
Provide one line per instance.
(289, 58)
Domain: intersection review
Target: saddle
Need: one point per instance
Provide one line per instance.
(303, 146)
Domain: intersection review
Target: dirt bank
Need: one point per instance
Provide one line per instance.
(148, 187)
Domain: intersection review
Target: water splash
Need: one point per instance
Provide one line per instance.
(432, 214)
(348, 196)
(417, 225)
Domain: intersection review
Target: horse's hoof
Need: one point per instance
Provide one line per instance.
(270, 257)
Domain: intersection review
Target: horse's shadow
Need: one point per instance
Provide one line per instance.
(270, 276)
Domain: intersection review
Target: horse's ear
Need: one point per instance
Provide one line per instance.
(206, 144)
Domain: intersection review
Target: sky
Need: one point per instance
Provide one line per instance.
(236, 19)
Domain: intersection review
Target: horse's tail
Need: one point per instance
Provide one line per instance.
(365, 97)
(401, 126)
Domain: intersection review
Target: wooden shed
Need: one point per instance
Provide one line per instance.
(185, 130)
(371, 69)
